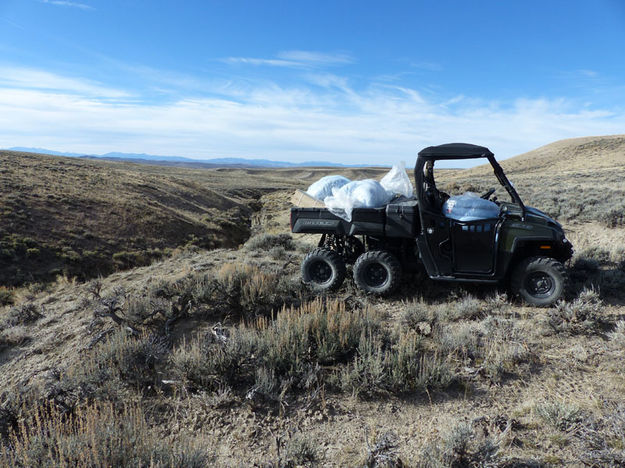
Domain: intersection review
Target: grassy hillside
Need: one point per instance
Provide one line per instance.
(62, 215)
(571, 156)
(579, 179)
(88, 218)
(223, 358)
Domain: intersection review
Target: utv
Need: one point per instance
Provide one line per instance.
(522, 247)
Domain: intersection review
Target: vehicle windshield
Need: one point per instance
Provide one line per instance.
(480, 180)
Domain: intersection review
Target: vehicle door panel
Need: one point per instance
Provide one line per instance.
(474, 245)
(436, 232)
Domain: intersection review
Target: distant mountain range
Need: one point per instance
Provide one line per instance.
(181, 161)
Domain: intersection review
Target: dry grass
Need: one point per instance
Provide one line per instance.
(583, 179)
(95, 435)
(224, 358)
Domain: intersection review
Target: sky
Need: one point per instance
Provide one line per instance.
(353, 82)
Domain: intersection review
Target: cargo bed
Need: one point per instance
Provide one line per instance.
(393, 220)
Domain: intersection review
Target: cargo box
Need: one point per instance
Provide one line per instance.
(368, 221)
(402, 219)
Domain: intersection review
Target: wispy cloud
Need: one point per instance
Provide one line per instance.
(304, 56)
(31, 78)
(296, 59)
(337, 122)
(64, 3)
(588, 73)
(427, 66)
(267, 62)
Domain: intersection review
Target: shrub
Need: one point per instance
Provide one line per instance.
(14, 336)
(583, 315)
(367, 373)
(6, 296)
(612, 282)
(617, 336)
(276, 354)
(419, 316)
(394, 368)
(300, 451)
(607, 446)
(584, 264)
(107, 372)
(494, 346)
(613, 218)
(326, 332)
(460, 446)
(136, 358)
(498, 304)
(22, 315)
(204, 364)
(383, 453)
(558, 414)
(596, 254)
(95, 435)
(8, 422)
(245, 291)
(462, 339)
(265, 242)
(278, 253)
(504, 348)
(131, 359)
(467, 308)
(303, 347)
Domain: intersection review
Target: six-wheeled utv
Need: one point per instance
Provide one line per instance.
(522, 247)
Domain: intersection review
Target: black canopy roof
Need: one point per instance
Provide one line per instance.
(455, 151)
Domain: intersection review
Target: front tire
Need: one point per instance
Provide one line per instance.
(539, 281)
(323, 270)
(377, 272)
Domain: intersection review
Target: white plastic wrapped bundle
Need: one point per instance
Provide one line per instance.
(396, 182)
(470, 207)
(357, 194)
(323, 187)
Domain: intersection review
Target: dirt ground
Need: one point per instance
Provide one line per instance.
(555, 398)
(583, 370)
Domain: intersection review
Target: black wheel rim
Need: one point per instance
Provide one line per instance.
(540, 284)
(320, 272)
(375, 275)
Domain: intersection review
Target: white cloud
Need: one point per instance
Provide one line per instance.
(64, 3)
(381, 124)
(305, 56)
(295, 59)
(30, 78)
(427, 66)
(588, 73)
(266, 62)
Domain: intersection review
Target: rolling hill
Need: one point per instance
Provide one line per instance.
(223, 357)
(181, 161)
(573, 180)
(83, 218)
(86, 218)
(572, 155)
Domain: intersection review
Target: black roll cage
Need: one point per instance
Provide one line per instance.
(463, 151)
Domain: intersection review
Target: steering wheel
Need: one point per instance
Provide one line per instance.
(487, 195)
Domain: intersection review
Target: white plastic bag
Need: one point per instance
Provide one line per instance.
(397, 182)
(357, 194)
(469, 207)
(323, 187)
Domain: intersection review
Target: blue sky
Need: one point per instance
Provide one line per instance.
(346, 81)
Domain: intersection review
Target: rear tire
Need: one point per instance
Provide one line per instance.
(539, 281)
(377, 272)
(323, 270)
